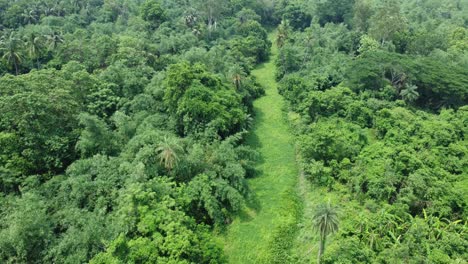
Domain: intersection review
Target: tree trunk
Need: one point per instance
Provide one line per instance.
(237, 85)
(321, 249)
(16, 67)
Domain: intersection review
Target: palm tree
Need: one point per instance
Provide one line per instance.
(11, 49)
(76, 5)
(34, 44)
(29, 16)
(283, 33)
(410, 93)
(54, 39)
(168, 152)
(47, 9)
(191, 17)
(325, 223)
(237, 75)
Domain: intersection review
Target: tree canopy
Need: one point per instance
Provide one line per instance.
(124, 127)
(377, 91)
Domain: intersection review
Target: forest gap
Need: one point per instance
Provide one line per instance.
(175, 131)
(251, 237)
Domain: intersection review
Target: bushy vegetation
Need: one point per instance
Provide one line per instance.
(122, 126)
(123, 130)
(380, 90)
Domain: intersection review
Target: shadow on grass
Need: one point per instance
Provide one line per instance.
(253, 140)
(253, 202)
(262, 66)
(253, 206)
(246, 214)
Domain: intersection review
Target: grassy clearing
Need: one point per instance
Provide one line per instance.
(263, 232)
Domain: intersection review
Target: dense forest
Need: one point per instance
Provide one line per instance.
(125, 125)
(122, 125)
(377, 92)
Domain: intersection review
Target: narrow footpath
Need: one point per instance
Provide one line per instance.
(256, 235)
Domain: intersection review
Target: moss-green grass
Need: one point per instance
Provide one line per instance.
(262, 233)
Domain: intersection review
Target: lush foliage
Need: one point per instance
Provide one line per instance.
(378, 95)
(123, 123)
(122, 126)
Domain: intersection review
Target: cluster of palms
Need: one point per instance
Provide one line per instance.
(388, 230)
(385, 225)
(38, 9)
(14, 48)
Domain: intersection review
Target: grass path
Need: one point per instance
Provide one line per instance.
(253, 235)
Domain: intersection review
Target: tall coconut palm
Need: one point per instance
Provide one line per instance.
(191, 17)
(34, 45)
(53, 40)
(48, 8)
(29, 16)
(237, 75)
(283, 33)
(168, 153)
(410, 93)
(11, 48)
(76, 5)
(325, 223)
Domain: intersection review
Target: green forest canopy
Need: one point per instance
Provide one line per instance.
(122, 125)
(379, 91)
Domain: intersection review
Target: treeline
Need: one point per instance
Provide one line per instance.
(378, 91)
(122, 126)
